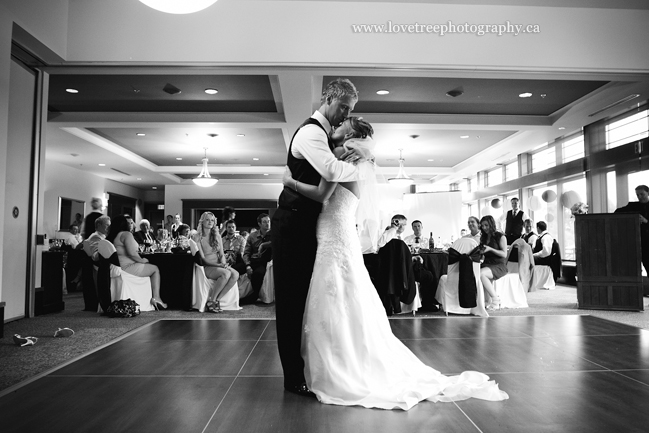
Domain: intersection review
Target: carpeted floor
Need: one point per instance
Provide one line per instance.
(93, 331)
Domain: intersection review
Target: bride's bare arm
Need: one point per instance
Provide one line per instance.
(319, 193)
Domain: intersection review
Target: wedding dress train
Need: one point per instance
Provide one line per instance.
(351, 355)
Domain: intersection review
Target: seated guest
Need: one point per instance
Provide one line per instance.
(130, 261)
(394, 230)
(463, 232)
(494, 245)
(641, 207)
(131, 223)
(418, 236)
(75, 238)
(169, 223)
(530, 236)
(182, 238)
(91, 245)
(162, 239)
(229, 213)
(244, 235)
(474, 229)
(210, 246)
(78, 220)
(543, 245)
(233, 247)
(174, 227)
(144, 236)
(256, 255)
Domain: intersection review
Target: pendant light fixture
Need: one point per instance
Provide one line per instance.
(204, 179)
(179, 6)
(402, 178)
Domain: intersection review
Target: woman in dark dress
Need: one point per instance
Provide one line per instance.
(495, 258)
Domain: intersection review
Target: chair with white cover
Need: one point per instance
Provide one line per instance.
(203, 286)
(524, 264)
(414, 305)
(267, 291)
(542, 278)
(132, 287)
(510, 291)
(448, 289)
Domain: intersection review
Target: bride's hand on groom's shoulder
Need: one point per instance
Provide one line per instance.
(357, 154)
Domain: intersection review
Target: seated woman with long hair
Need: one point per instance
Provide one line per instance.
(129, 260)
(210, 246)
(495, 258)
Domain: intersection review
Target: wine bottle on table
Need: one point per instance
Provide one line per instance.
(431, 242)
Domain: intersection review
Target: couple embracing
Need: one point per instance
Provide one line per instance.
(333, 335)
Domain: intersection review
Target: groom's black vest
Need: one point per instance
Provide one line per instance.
(304, 172)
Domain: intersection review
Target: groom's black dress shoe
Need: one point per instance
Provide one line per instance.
(300, 389)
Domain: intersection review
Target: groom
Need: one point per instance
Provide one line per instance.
(294, 222)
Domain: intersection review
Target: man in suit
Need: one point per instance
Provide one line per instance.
(144, 236)
(89, 222)
(294, 222)
(514, 222)
(256, 255)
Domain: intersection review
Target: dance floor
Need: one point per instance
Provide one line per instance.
(562, 373)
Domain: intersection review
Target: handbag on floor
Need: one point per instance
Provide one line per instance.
(124, 308)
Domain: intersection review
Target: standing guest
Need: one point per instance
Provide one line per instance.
(210, 246)
(233, 247)
(418, 236)
(144, 236)
(257, 253)
(474, 229)
(641, 207)
(174, 227)
(543, 246)
(494, 244)
(169, 223)
(130, 261)
(88, 226)
(530, 235)
(229, 213)
(395, 230)
(514, 222)
(78, 220)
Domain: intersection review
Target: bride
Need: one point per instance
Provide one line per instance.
(351, 356)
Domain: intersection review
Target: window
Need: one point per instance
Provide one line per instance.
(495, 176)
(627, 130)
(511, 171)
(611, 192)
(544, 159)
(573, 191)
(635, 179)
(572, 149)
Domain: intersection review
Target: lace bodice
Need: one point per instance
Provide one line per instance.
(337, 222)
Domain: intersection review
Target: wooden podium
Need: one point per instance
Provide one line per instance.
(609, 273)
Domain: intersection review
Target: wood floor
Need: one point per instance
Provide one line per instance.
(562, 373)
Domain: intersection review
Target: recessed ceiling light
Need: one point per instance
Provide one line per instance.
(265, 174)
(241, 135)
(154, 187)
(211, 91)
(464, 136)
(102, 165)
(139, 178)
(72, 90)
(561, 128)
(140, 134)
(255, 159)
(525, 95)
(383, 92)
(179, 159)
(431, 160)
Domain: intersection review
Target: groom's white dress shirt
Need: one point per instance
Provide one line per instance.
(312, 144)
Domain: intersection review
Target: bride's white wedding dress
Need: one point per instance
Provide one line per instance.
(351, 355)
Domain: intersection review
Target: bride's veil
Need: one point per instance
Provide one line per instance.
(368, 211)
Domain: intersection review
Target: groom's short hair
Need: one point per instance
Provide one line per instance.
(337, 89)
(399, 217)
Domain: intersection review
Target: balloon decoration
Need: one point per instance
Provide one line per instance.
(485, 211)
(569, 198)
(549, 196)
(535, 203)
(549, 218)
(496, 203)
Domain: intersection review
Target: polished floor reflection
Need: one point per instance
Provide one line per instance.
(562, 373)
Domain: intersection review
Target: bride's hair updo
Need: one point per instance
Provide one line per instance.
(361, 127)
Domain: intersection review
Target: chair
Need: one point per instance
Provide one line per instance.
(267, 292)
(448, 289)
(542, 278)
(510, 291)
(396, 278)
(124, 285)
(202, 286)
(524, 264)
(414, 305)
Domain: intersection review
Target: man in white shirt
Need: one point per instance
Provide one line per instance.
(418, 236)
(543, 246)
(530, 236)
(91, 245)
(512, 222)
(395, 230)
(233, 247)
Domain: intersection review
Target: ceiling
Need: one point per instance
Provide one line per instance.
(246, 127)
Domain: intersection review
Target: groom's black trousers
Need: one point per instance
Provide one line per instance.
(293, 236)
